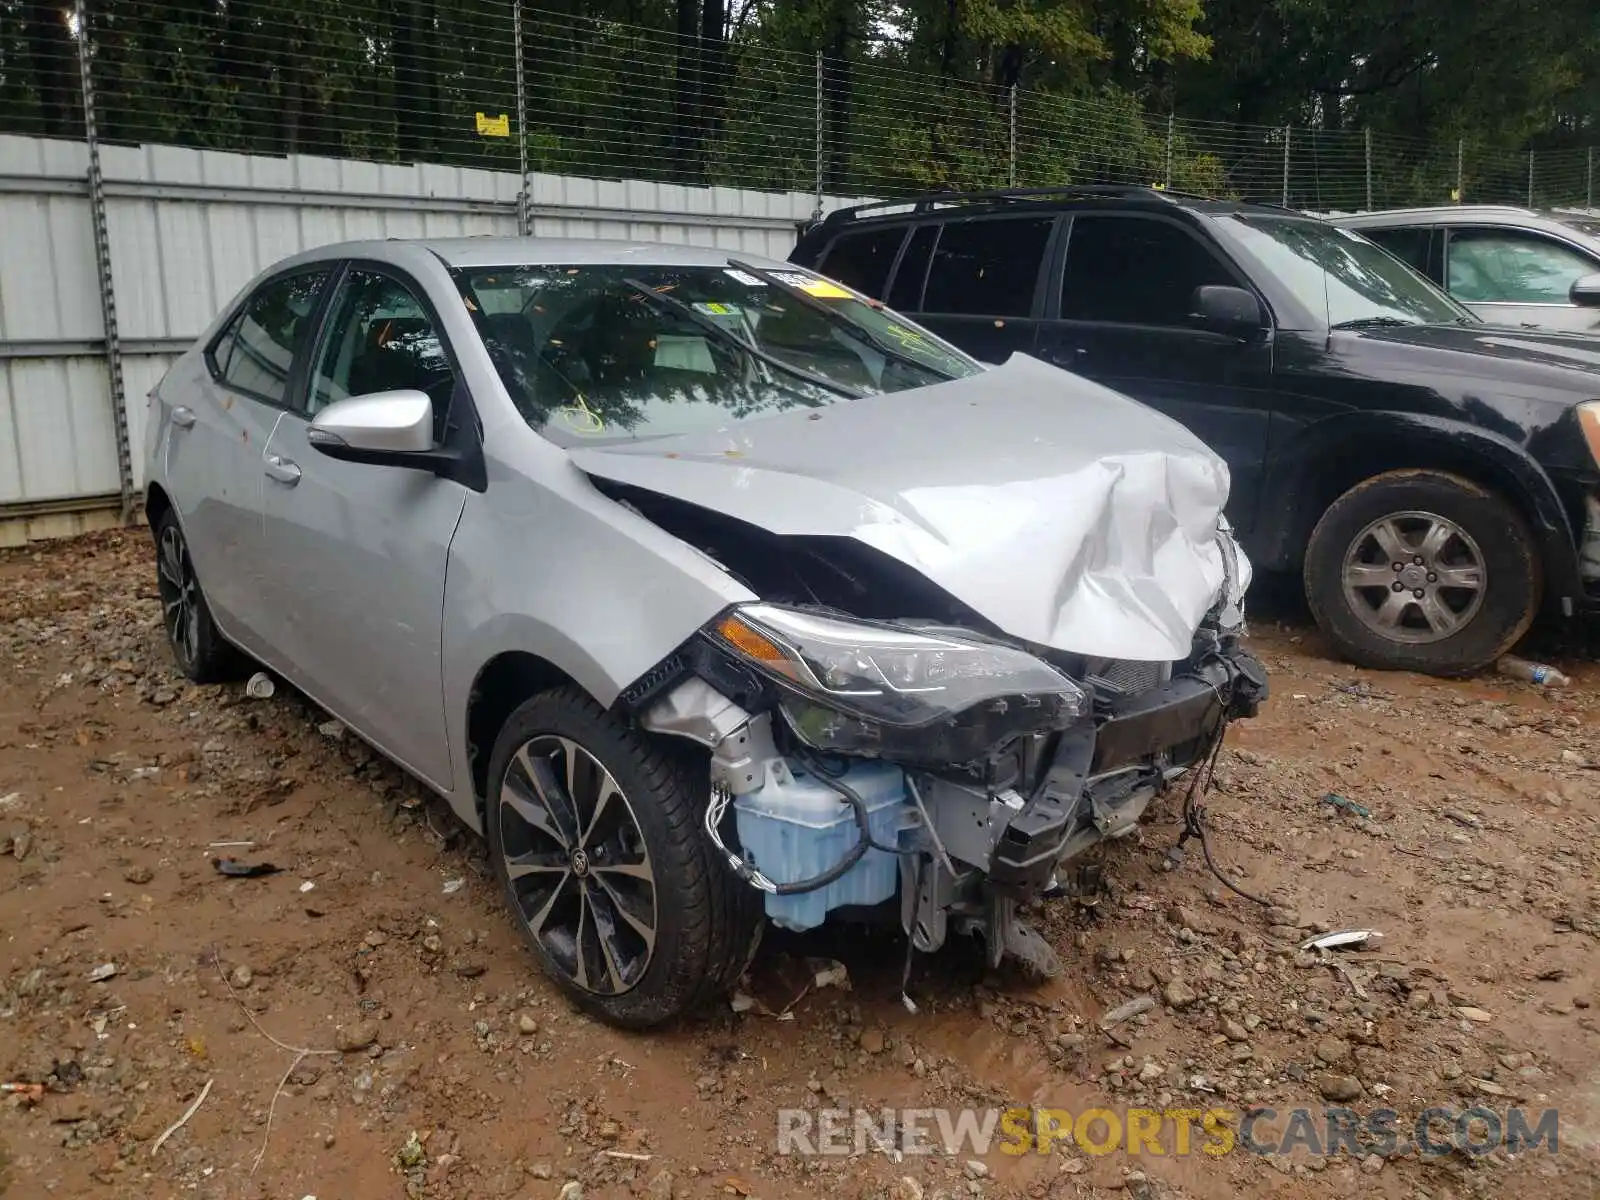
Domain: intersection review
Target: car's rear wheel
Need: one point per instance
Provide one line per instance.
(594, 833)
(200, 650)
(1422, 571)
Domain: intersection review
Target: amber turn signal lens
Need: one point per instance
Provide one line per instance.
(1589, 422)
(748, 642)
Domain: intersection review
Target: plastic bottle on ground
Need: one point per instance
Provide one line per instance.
(1529, 672)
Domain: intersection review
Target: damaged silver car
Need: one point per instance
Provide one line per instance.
(710, 592)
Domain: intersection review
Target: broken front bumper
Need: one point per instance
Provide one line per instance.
(1100, 769)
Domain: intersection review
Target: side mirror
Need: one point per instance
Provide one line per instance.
(1585, 291)
(382, 423)
(1225, 309)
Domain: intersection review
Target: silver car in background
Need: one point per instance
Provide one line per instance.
(1510, 266)
(710, 592)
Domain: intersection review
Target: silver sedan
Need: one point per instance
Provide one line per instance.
(709, 591)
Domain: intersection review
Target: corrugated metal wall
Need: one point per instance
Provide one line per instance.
(189, 228)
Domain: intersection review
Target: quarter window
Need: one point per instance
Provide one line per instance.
(381, 339)
(906, 292)
(987, 267)
(862, 260)
(1408, 243)
(1489, 266)
(257, 353)
(1134, 271)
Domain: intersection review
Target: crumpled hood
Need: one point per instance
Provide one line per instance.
(1063, 512)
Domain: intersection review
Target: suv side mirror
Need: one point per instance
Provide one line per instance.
(1586, 291)
(1226, 309)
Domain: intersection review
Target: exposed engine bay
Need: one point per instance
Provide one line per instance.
(875, 738)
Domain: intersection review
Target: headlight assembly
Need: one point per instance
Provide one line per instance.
(866, 688)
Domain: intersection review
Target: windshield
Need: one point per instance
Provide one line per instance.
(1338, 272)
(605, 353)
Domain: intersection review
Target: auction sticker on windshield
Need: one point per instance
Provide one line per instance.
(812, 286)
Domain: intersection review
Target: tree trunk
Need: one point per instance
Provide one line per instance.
(837, 83)
(713, 69)
(683, 130)
(415, 99)
(53, 59)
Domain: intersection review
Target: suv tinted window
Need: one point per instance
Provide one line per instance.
(381, 339)
(1511, 267)
(1408, 243)
(906, 292)
(862, 260)
(256, 355)
(1135, 271)
(987, 267)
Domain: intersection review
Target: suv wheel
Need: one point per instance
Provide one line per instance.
(1422, 571)
(595, 836)
(199, 648)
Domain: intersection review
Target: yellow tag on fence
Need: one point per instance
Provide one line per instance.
(494, 126)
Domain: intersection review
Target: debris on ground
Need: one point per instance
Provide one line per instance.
(1177, 995)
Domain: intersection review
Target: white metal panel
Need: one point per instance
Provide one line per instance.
(61, 433)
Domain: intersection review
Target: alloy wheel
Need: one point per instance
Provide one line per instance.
(1414, 577)
(180, 594)
(577, 865)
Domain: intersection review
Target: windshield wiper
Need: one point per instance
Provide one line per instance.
(1376, 323)
(677, 307)
(838, 318)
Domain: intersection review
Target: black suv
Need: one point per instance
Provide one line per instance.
(1434, 478)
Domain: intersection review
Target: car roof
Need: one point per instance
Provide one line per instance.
(538, 251)
(1499, 214)
(1049, 199)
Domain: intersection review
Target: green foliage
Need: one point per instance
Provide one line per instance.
(915, 94)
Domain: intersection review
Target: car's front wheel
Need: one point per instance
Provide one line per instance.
(594, 833)
(1422, 571)
(198, 647)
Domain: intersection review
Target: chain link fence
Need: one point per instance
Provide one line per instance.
(494, 83)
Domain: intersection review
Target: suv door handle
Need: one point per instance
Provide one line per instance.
(282, 470)
(183, 416)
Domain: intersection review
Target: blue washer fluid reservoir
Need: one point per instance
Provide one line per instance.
(795, 826)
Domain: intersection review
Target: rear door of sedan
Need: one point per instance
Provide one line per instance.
(356, 553)
(222, 412)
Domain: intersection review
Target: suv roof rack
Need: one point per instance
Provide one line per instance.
(927, 201)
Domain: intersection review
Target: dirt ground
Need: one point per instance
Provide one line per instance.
(371, 990)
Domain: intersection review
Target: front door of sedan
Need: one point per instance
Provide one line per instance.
(356, 553)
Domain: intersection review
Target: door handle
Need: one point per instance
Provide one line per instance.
(281, 470)
(183, 416)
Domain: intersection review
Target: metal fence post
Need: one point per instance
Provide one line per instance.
(1530, 178)
(1461, 173)
(816, 214)
(102, 259)
(1286, 166)
(1367, 138)
(1013, 169)
(1166, 180)
(1588, 186)
(524, 220)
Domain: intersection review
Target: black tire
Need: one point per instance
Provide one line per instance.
(1436, 526)
(706, 922)
(198, 647)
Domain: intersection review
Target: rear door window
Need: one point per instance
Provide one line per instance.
(258, 352)
(862, 260)
(987, 267)
(1135, 271)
